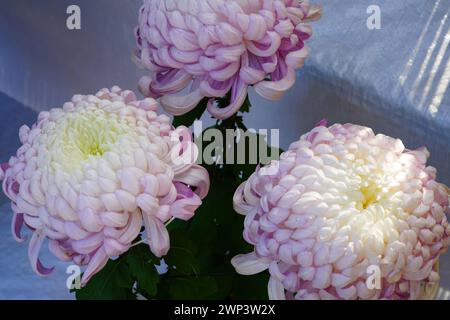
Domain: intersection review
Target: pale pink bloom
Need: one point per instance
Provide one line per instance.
(90, 174)
(220, 45)
(342, 200)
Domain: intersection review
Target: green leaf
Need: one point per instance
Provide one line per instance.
(113, 282)
(225, 101)
(116, 281)
(189, 118)
(246, 106)
(250, 287)
(181, 288)
(181, 257)
(244, 171)
(142, 267)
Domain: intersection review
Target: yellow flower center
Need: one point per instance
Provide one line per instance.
(370, 194)
(84, 135)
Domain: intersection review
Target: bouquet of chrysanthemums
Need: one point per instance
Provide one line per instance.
(127, 193)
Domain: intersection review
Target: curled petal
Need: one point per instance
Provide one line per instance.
(322, 123)
(59, 251)
(276, 289)
(74, 231)
(239, 204)
(248, 264)
(262, 50)
(184, 208)
(33, 253)
(11, 189)
(147, 203)
(420, 274)
(133, 228)
(251, 71)
(314, 13)
(171, 82)
(238, 96)
(113, 247)
(114, 219)
(213, 88)
(184, 153)
(230, 53)
(158, 237)
(89, 220)
(196, 177)
(89, 244)
(274, 90)
(225, 73)
(144, 87)
(3, 168)
(97, 262)
(16, 226)
(178, 105)
(296, 59)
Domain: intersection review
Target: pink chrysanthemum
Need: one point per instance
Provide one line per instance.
(221, 45)
(342, 201)
(87, 175)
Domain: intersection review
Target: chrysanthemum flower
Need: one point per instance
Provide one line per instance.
(87, 175)
(341, 202)
(221, 45)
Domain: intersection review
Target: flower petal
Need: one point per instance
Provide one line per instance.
(157, 235)
(238, 96)
(276, 289)
(33, 253)
(248, 264)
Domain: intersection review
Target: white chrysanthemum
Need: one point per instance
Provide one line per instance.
(87, 175)
(343, 200)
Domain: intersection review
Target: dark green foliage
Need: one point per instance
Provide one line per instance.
(188, 119)
(132, 273)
